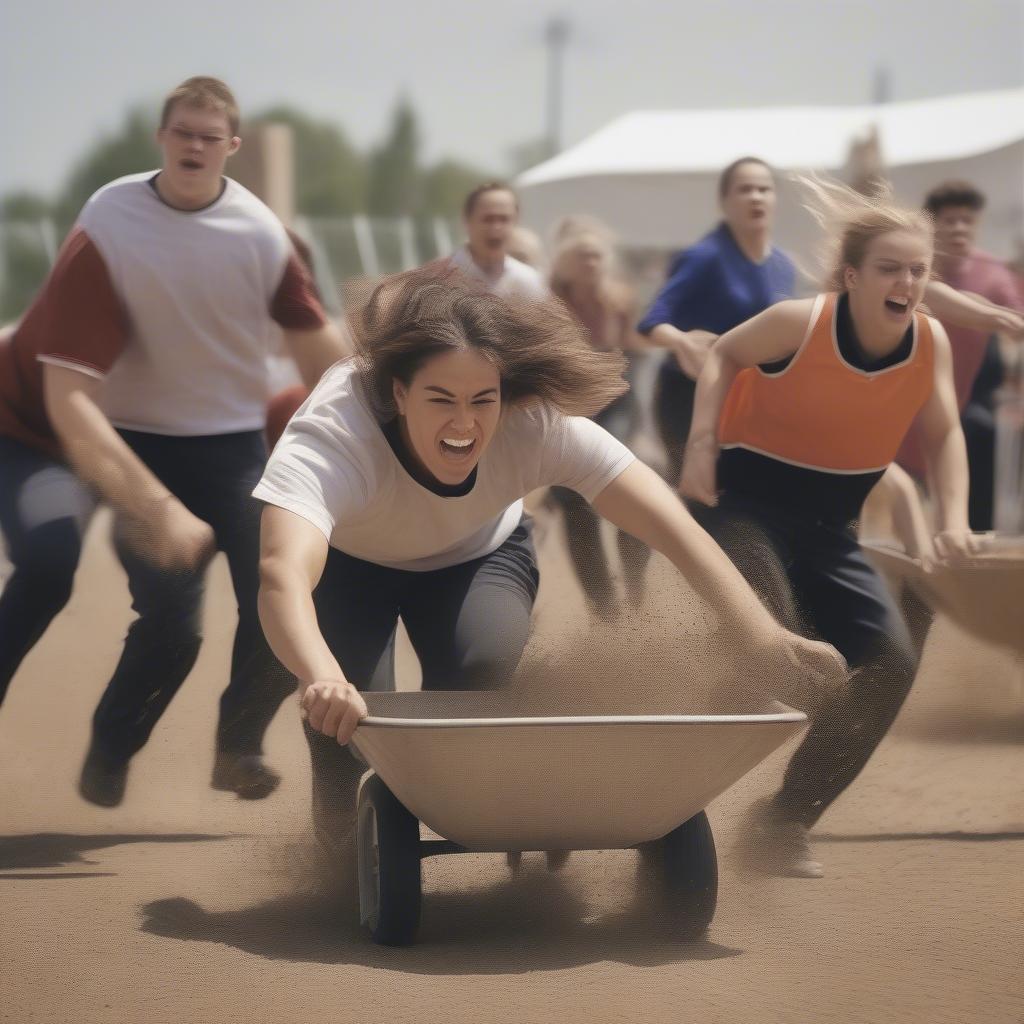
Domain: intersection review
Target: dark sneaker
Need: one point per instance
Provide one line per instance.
(248, 775)
(773, 845)
(103, 778)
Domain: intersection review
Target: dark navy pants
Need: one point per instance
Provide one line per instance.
(468, 624)
(815, 580)
(583, 525)
(674, 396)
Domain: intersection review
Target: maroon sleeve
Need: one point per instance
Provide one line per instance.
(295, 305)
(77, 317)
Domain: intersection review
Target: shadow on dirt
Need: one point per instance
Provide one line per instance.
(57, 849)
(533, 924)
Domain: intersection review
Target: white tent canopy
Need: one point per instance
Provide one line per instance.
(652, 175)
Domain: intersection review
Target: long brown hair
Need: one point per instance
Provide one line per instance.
(539, 349)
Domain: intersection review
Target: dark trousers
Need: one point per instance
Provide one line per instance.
(213, 477)
(583, 525)
(674, 395)
(978, 421)
(467, 623)
(44, 510)
(815, 580)
(979, 426)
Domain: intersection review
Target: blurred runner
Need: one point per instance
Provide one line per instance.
(525, 245)
(798, 414)
(977, 365)
(139, 378)
(582, 277)
(730, 275)
(490, 214)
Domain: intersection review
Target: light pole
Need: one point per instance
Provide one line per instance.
(556, 36)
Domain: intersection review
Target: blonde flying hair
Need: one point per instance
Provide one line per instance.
(852, 221)
(568, 235)
(538, 348)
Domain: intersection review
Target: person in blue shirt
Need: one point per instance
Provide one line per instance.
(730, 275)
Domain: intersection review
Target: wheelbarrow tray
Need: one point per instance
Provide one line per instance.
(983, 594)
(489, 780)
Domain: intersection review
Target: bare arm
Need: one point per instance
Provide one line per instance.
(632, 340)
(293, 553)
(765, 338)
(945, 452)
(316, 350)
(965, 309)
(156, 522)
(908, 519)
(639, 502)
(689, 347)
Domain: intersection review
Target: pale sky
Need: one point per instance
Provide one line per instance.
(475, 71)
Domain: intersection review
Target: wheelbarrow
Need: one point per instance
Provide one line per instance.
(487, 780)
(983, 593)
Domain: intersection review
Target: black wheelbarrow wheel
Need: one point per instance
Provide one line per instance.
(390, 886)
(681, 873)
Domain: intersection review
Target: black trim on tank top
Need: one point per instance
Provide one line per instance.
(851, 349)
(393, 434)
(807, 494)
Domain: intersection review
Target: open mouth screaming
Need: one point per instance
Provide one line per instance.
(898, 304)
(457, 448)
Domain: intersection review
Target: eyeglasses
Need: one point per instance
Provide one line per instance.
(184, 135)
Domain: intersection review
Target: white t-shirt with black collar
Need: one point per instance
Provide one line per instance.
(335, 468)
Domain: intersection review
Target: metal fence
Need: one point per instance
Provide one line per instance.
(343, 248)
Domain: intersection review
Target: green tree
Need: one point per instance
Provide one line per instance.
(24, 251)
(330, 174)
(394, 186)
(445, 185)
(132, 148)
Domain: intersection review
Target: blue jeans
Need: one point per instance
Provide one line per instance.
(44, 510)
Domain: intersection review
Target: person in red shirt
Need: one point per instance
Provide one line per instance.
(956, 208)
(138, 378)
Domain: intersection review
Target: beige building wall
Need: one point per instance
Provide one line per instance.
(266, 166)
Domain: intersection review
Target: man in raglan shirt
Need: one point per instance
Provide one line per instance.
(138, 377)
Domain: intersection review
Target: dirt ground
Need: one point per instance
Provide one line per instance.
(187, 905)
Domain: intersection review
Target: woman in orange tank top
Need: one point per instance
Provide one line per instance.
(798, 413)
